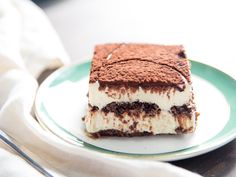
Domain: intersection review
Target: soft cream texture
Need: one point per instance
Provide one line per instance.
(165, 100)
(163, 123)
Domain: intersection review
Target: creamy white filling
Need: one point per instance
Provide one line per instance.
(164, 99)
(163, 123)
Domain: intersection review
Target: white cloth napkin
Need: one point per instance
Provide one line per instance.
(29, 45)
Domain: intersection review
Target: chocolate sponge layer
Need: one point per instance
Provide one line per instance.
(136, 108)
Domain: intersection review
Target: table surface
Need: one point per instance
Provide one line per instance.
(82, 24)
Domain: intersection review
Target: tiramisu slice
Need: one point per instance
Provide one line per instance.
(140, 89)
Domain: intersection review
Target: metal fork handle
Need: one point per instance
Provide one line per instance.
(7, 140)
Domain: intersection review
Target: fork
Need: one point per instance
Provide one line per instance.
(7, 140)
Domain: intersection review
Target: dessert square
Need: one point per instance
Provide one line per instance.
(140, 89)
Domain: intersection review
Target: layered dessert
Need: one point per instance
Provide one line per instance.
(140, 89)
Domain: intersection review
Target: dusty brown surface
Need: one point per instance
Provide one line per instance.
(140, 65)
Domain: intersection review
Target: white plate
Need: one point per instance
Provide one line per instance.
(61, 103)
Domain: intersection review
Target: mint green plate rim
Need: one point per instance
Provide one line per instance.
(223, 82)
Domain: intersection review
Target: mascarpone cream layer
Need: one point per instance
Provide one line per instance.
(163, 123)
(164, 99)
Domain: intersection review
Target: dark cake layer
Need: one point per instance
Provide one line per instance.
(118, 133)
(140, 65)
(184, 109)
(136, 108)
(112, 132)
